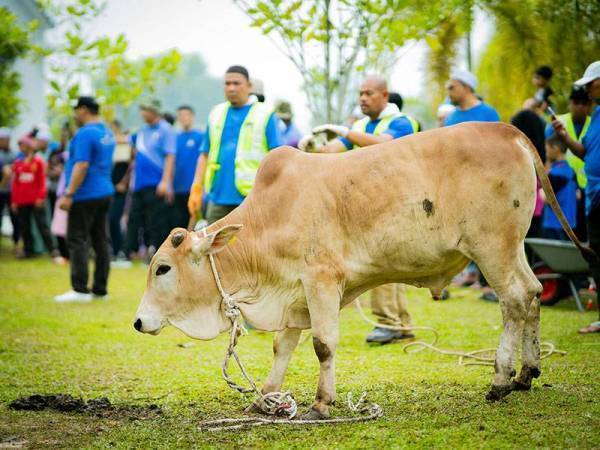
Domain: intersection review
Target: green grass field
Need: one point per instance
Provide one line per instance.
(91, 350)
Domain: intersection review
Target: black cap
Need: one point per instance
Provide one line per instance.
(239, 69)
(396, 99)
(87, 102)
(579, 93)
(544, 72)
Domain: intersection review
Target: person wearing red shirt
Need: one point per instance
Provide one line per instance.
(29, 196)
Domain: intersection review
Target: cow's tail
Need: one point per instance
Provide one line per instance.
(589, 255)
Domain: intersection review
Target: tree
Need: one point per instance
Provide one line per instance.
(332, 42)
(76, 59)
(191, 85)
(14, 44)
(564, 35)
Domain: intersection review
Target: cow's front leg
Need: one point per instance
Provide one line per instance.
(284, 343)
(324, 306)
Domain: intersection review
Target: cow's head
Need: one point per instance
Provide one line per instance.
(181, 290)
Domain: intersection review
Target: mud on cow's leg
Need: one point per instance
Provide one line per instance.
(324, 306)
(284, 343)
(530, 355)
(513, 315)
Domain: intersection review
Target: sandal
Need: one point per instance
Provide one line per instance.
(593, 327)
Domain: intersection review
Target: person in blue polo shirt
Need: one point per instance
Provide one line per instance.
(189, 140)
(383, 122)
(469, 108)
(589, 150)
(155, 145)
(87, 198)
(240, 133)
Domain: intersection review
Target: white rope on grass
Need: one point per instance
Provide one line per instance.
(482, 357)
(280, 404)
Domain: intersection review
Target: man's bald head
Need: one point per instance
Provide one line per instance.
(375, 82)
(373, 96)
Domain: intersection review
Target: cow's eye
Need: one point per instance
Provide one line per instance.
(162, 269)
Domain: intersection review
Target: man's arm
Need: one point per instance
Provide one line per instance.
(77, 177)
(195, 198)
(358, 138)
(362, 139)
(165, 187)
(576, 147)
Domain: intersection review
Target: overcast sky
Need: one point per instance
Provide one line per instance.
(221, 33)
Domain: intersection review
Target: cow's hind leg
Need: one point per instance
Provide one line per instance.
(284, 343)
(502, 271)
(323, 298)
(530, 356)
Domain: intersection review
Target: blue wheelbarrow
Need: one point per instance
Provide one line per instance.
(560, 266)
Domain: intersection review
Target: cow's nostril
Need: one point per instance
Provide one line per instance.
(138, 324)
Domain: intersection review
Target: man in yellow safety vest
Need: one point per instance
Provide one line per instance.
(383, 122)
(576, 123)
(240, 133)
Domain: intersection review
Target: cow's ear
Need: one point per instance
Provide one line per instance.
(216, 241)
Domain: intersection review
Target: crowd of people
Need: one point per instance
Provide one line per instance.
(120, 193)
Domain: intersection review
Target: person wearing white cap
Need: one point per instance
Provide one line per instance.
(7, 157)
(469, 108)
(589, 150)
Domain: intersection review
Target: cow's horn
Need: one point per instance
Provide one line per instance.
(177, 238)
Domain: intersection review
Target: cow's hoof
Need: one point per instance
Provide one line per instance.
(498, 393)
(520, 386)
(253, 409)
(313, 414)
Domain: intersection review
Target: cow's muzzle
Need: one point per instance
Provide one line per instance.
(148, 325)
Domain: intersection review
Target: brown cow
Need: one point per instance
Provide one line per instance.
(318, 230)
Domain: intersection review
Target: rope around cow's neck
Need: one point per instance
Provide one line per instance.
(280, 404)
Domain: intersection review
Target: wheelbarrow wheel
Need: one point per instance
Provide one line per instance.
(553, 289)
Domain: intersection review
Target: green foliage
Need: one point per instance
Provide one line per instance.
(191, 85)
(333, 42)
(429, 402)
(14, 44)
(77, 58)
(564, 35)
(443, 50)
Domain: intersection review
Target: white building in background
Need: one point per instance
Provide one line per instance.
(33, 90)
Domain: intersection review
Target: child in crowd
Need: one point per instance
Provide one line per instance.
(29, 197)
(563, 182)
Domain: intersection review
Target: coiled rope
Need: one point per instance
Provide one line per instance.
(482, 357)
(279, 404)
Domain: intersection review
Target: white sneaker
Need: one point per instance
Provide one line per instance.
(100, 297)
(73, 296)
(121, 264)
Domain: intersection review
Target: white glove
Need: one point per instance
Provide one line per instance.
(307, 143)
(338, 130)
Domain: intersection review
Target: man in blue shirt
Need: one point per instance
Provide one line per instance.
(87, 198)
(155, 146)
(589, 150)
(383, 122)
(290, 133)
(577, 122)
(469, 108)
(231, 138)
(189, 140)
